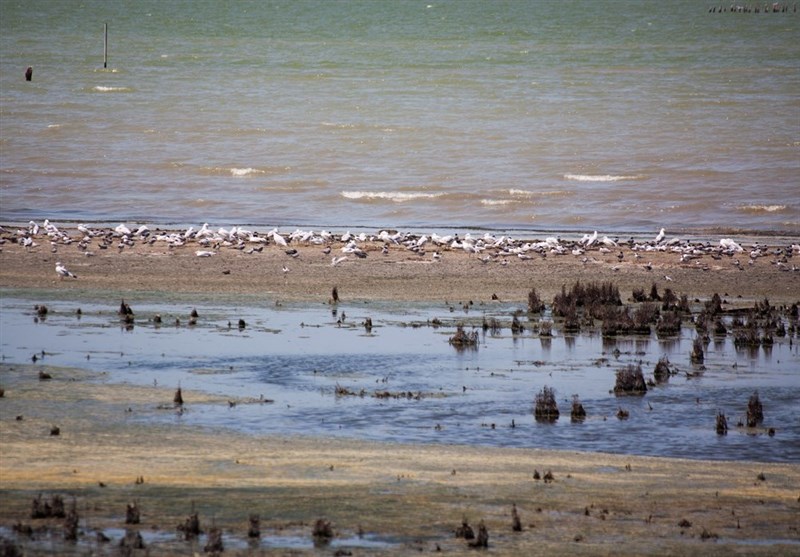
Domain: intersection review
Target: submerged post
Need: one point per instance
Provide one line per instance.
(105, 45)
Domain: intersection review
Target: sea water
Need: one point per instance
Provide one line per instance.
(510, 114)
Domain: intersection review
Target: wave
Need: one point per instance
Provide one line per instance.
(238, 172)
(397, 197)
(104, 89)
(761, 208)
(235, 171)
(494, 202)
(527, 193)
(601, 178)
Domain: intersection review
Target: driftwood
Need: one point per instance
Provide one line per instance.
(516, 523)
(71, 523)
(190, 527)
(132, 513)
(214, 542)
(482, 540)
(465, 530)
(48, 509)
(630, 381)
(546, 408)
(322, 532)
(722, 424)
(178, 398)
(463, 339)
(578, 413)
(662, 372)
(254, 529)
(755, 412)
(697, 356)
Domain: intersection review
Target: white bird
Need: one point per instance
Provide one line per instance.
(661, 236)
(285, 270)
(122, 230)
(668, 278)
(336, 260)
(203, 253)
(730, 245)
(63, 272)
(278, 239)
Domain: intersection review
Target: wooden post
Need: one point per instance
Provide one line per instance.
(105, 45)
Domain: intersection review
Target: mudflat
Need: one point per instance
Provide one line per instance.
(379, 498)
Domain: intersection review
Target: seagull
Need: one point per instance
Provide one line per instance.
(277, 238)
(63, 272)
(203, 253)
(660, 236)
(285, 270)
(668, 278)
(336, 260)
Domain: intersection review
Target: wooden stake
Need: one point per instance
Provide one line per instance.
(105, 45)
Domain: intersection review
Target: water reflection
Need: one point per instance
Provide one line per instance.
(411, 385)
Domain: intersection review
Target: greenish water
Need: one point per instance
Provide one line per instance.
(619, 116)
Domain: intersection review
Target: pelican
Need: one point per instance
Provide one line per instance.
(63, 272)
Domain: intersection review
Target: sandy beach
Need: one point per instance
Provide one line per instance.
(381, 499)
(400, 274)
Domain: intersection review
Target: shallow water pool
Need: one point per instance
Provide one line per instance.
(325, 374)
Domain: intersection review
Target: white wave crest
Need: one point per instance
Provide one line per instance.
(494, 202)
(397, 197)
(104, 89)
(600, 178)
(238, 172)
(762, 208)
(527, 193)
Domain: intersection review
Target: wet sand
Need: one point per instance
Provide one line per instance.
(400, 275)
(405, 499)
(411, 497)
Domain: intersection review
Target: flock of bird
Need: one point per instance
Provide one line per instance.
(487, 248)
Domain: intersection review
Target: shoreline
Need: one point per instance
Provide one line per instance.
(117, 264)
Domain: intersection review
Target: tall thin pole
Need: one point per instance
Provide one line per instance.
(105, 45)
